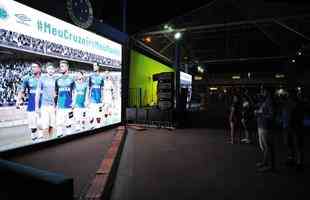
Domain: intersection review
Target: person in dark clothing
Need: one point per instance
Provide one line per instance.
(234, 118)
(295, 139)
(264, 115)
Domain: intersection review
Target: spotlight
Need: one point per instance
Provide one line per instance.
(293, 60)
(177, 35)
(299, 53)
(147, 39)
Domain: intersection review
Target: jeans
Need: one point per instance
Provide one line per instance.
(266, 144)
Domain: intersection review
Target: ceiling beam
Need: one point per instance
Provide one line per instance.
(152, 51)
(244, 59)
(213, 26)
(291, 29)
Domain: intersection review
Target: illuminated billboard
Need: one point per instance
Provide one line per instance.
(186, 82)
(55, 79)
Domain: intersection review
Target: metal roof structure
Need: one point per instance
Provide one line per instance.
(230, 31)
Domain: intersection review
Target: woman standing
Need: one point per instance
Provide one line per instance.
(234, 118)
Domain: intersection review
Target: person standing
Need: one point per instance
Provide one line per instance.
(246, 117)
(264, 115)
(80, 100)
(46, 92)
(234, 119)
(64, 90)
(297, 117)
(96, 86)
(29, 87)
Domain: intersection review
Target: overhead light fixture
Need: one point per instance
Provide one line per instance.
(235, 77)
(197, 78)
(293, 60)
(200, 69)
(148, 39)
(213, 88)
(280, 76)
(299, 53)
(177, 35)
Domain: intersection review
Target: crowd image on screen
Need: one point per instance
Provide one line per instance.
(21, 41)
(11, 75)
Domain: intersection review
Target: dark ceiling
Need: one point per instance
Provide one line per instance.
(229, 31)
(214, 31)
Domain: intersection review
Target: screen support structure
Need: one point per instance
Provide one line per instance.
(177, 56)
(125, 79)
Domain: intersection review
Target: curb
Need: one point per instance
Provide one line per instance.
(101, 185)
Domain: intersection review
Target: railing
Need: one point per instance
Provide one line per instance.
(141, 97)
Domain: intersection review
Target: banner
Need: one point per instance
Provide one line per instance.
(165, 90)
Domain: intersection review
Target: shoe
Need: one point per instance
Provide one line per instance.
(265, 169)
(34, 139)
(246, 141)
(260, 164)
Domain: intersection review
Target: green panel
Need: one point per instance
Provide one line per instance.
(142, 69)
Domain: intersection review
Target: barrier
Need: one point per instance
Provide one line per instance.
(24, 182)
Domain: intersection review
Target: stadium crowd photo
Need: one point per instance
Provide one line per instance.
(59, 99)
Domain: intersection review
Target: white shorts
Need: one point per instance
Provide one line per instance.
(80, 114)
(32, 120)
(48, 117)
(64, 117)
(96, 110)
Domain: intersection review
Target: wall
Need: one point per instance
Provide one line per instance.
(142, 69)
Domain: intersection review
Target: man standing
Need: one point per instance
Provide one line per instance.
(64, 90)
(46, 91)
(264, 116)
(29, 87)
(96, 83)
(80, 100)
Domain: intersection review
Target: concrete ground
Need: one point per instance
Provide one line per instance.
(198, 164)
(78, 159)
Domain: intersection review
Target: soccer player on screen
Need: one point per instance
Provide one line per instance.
(108, 94)
(80, 100)
(64, 89)
(96, 83)
(29, 87)
(46, 93)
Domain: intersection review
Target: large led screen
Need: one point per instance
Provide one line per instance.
(55, 79)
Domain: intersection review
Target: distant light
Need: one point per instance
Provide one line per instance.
(200, 69)
(185, 58)
(148, 39)
(280, 91)
(213, 88)
(249, 75)
(299, 53)
(235, 77)
(225, 90)
(198, 78)
(166, 26)
(177, 35)
(298, 88)
(280, 76)
(293, 61)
